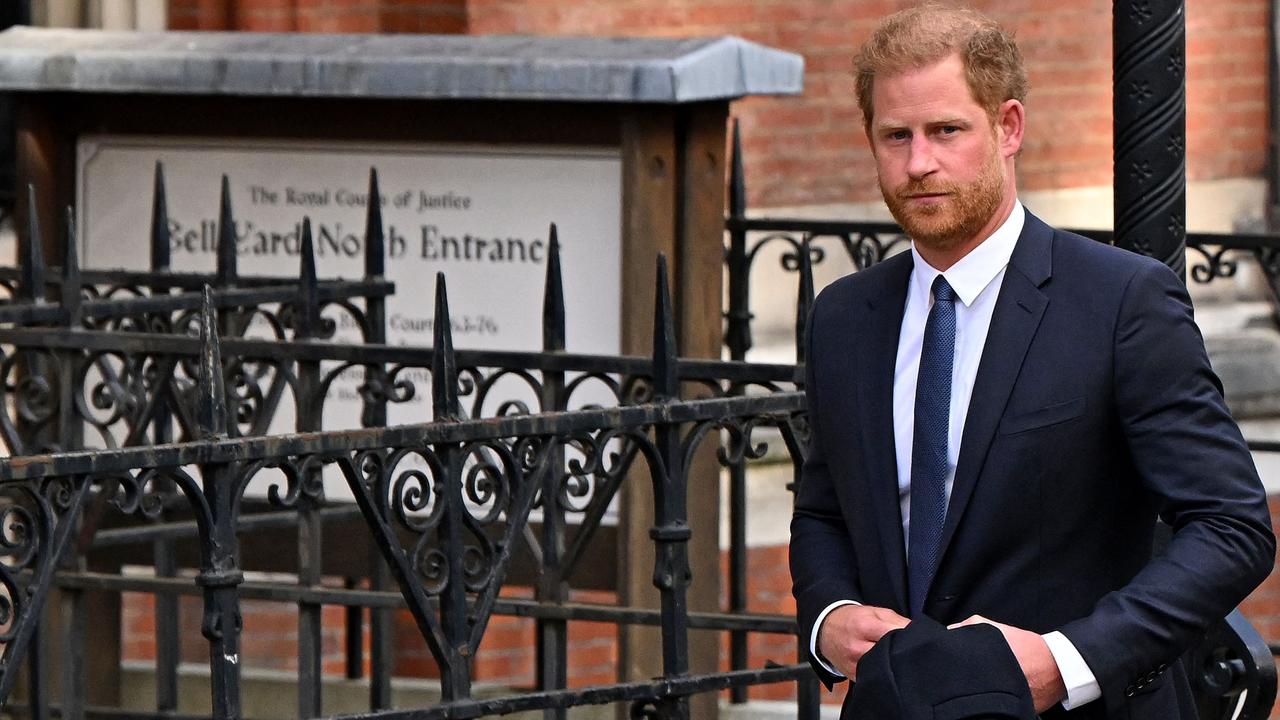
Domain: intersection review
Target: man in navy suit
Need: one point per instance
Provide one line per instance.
(1000, 415)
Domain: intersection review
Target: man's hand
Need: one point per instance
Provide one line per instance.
(849, 631)
(1035, 659)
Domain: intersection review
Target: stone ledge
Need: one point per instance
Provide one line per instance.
(619, 70)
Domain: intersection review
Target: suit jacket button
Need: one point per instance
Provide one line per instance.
(1129, 691)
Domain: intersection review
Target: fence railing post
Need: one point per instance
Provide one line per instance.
(738, 340)
(670, 531)
(553, 634)
(70, 425)
(31, 289)
(804, 301)
(808, 694)
(31, 255)
(220, 575)
(308, 405)
(737, 336)
(168, 647)
(374, 414)
(455, 676)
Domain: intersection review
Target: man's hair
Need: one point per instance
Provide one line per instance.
(921, 36)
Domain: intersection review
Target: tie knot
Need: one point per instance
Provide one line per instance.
(942, 291)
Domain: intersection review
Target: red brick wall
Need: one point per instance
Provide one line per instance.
(424, 16)
(1227, 116)
(507, 655)
(1263, 606)
(810, 149)
(269, 640)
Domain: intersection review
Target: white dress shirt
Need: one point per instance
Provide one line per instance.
(976, 279)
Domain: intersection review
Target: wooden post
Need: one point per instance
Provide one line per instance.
(673, 190)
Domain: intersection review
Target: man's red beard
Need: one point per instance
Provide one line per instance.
(955, 219)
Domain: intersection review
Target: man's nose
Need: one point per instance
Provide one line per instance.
(921, 160)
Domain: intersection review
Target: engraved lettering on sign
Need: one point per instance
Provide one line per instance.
(479, 214)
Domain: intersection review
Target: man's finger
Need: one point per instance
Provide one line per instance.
(894, 620)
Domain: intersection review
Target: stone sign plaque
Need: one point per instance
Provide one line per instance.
(480, 214)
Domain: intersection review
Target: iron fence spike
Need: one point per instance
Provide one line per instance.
(226, 271)
(71, 271)
(33, 252)
(804, 301)
(159, 222)
(374, 240)
(553, 312)
(308, 310)
(737, 335)
(444, 364)
(665, 380)
(737, 178)
(211, 412)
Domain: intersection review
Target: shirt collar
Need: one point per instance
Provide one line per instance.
(975, 271)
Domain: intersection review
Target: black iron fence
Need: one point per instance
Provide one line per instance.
(107, 361)
(446, 502)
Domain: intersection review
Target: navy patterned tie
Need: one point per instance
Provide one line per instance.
(929, 444)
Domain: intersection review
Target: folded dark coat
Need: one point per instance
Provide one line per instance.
(926, 672)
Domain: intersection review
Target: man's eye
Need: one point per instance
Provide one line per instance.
(948, 129)
(899, 135)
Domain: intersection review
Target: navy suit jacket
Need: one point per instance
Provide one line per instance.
(1094, 411)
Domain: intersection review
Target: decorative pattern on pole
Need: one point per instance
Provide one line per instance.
(1149, 103)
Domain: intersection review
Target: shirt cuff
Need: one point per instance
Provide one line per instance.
(1082, 686)
(813, 639)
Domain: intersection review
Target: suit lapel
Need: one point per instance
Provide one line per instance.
(878, 351)
(1017, 314)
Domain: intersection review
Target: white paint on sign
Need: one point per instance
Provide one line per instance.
(479, 214)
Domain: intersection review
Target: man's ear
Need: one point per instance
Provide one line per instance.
(1010, 119)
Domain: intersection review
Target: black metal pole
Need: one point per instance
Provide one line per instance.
(738, 340)
(738, 317)
(219, 575)
(670, 532)
(455, 673)
(1150, 115)
(553, 634)
(381, 647)
(70, 429)
(309, 406)
(808, 696)
(168, 647)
